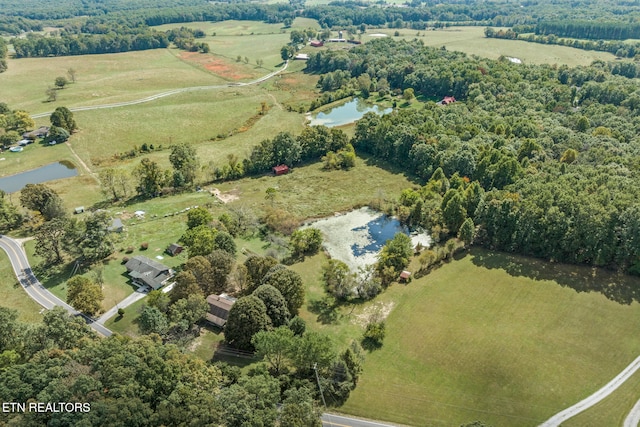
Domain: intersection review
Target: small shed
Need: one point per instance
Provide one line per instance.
(174, 249)
(116, 226)
(405, 276)
(219, 306)
(301, 57)
(316, 43)
(281, 169)
(78, 210)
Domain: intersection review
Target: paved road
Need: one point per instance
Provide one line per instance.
(596, 397)
(633, 419)
(332, 420)
(169, 93)
(34, 288)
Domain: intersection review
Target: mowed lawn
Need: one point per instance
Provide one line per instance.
(471, 40)
(482, 339)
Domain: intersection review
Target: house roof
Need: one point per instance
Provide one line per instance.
(41, 131)
(147, 271)
(219, 306)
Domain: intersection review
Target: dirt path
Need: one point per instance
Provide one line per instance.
(596, 397)
(83, 164)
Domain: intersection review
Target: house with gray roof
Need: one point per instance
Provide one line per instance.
(147, 272)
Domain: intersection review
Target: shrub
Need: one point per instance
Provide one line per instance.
(129, 249)
(121, 312)
(374, 334)
(125, 259)
(144, 246)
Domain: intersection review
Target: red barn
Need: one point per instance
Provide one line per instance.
(281, 169)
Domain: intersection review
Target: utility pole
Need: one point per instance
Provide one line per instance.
(324, 402)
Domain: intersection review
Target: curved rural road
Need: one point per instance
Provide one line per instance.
(596, 397)
(633, 419)
(34, 288)
(168, 93)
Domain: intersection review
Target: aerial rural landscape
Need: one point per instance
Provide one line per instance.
(312, 213)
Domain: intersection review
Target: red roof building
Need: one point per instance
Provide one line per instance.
(405, 275)
(280, 169)
(448, 100)
(316, 43)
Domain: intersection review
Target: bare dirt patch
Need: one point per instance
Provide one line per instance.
(227, 196)
(376, 312)
(216, 65)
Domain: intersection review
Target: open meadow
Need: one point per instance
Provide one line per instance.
(13, 296)
(471, 40)
(499, 338)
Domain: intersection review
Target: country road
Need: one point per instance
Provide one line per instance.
(34, 288)
(168, 93)
(596, 397)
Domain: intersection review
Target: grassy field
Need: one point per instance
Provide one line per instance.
(471, 40)
(13, 296)
(611, 411)
(499, 338)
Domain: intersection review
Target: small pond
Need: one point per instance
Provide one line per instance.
(13, 183)
(357, 237)
(346, 113)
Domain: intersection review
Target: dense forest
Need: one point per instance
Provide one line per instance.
(543, 159)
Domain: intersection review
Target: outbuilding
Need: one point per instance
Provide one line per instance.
(281, 169)
(219, 307)
(174, 249)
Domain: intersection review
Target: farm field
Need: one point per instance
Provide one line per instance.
(471, 41)
(497, 338)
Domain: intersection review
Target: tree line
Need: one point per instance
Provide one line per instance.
(540, 158)
(592, 30)
(621, 49)
(61, 360)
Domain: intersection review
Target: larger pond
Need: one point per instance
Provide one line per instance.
(13, 183)
(346, 113)
(357, 237)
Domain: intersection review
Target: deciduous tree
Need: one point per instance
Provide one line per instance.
(290, 285)
(247, 317)
(84, 295)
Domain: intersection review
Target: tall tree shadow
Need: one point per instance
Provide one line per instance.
(615, 286)
(326, 308)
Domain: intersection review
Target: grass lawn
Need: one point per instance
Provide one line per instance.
(611, 411)
(310, 192)
(13, 296)
(503, 339)
(471, 40)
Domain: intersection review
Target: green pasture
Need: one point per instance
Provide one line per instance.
(13, 296)
(504, 339)
(471, 41)
(612, 410)
(100, 79)
(311, 192)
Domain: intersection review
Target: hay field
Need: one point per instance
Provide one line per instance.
(498, 338)
(471, 41)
